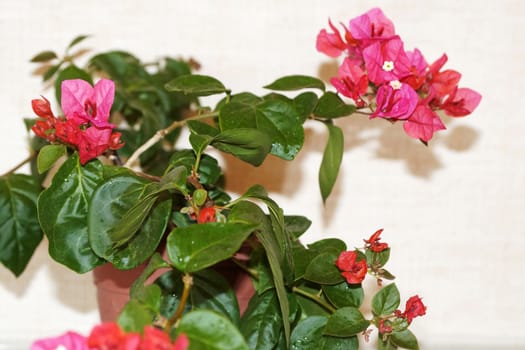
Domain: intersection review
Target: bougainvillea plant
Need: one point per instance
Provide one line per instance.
(109, 185)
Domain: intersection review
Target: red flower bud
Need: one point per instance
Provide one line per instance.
(352, 270)
(207, 214)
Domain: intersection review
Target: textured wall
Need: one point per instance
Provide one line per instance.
(453, 212)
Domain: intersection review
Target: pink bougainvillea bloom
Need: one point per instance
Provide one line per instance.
(67, 131)
(67, 341)
(92, 143)
(418, 69)
(395, 101)
(331, 44)
(372, 25)
(445, 82)
(155, 339)
(461, 102)
(352, 82)
(386, 60)
(86, 104)
(373, 242)
(352, 270)
(423, 123)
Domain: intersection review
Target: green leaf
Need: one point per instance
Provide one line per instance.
(135, 316)
(343, 294)
(377, 259)
(175, 179)
(296, 82)
(322, 270)
(276, 118)
(346, 322)
(262, 322)
(126, 222)
(273, 240)
(196, 85)
(308, 335)
(70, 72)
(305, 104)
(48, 155)
(405, 339)
(249, 145)
(332, 157)
(19, 227)
(386, 301)
(331, 106)
(209, 170)
(77, 40)
(209, 244)
(155, 262)
(44, 56)
(51, 71)
(208, 330)
(296, 225)
(385, 344)
(70, 192)
(328, 245)
(212, 291)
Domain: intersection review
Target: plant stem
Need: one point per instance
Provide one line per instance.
(19, 165)
(314, 297)
(188, 282)
(160, 134)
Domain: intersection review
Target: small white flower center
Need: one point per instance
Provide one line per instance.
(60, 347)
(395, 84)
(388, 66)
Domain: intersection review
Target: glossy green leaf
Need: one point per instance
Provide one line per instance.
(208, 330)
(278, 119)
(386, 301)
(70, 192)
(48, 155)
(332, 157)
(346, 322)
(301, 258)
(296, 82)
(333, 245)
(209, 170)
(343, 294)
(125, 222)
(296, 225)
(155, 262)
(249, 145)
(211, 291)
(305, 104)
(385, 344)
(405, 339)
(262, 322)
(377, 259)
(331, 106)
(175, 179)
(308, 335)
(322, 270)
(44, 56)
(197, 85)
(273, 242)
(207, 245)
(19, 227)
(70, 72)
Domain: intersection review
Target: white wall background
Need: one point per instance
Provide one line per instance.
(453, 212)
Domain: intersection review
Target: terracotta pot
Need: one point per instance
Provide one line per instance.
(113, 286)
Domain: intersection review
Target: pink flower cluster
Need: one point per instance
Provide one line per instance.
(85, 126)
(405, 86)
(109, 336)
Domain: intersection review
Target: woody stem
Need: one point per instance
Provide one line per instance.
(19, 165)
(160, 134)
(188, 282)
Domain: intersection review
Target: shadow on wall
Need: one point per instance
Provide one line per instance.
(73, 290)
(278, 175)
